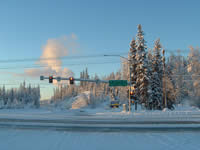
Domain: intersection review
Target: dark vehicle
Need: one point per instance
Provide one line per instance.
(114, 104)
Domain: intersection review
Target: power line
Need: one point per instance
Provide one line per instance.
(63, 65)
(54, 58)
(81, 56)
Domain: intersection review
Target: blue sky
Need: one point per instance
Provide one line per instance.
(101, 27)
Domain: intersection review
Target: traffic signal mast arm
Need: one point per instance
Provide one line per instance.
(76, 79)
(97, 81)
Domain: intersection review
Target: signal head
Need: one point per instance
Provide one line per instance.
(50, 79)
(71, 80)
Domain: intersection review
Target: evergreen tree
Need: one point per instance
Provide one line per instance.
(157, 76)
(133, 65)
(150, 62)
(142, 80)
(4, 95)
(37, 97)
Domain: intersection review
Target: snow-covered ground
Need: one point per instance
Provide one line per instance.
(11, 139)
(46, 112)
(44, 139)
(100, 119)
(79, 105)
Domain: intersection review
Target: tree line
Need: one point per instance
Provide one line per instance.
(20, 97)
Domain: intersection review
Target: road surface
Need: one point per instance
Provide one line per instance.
(102, 123)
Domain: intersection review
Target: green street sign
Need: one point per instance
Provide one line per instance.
(118, 82)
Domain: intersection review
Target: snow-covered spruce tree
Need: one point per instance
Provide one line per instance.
(4, 95)
(150, 61)
(142, 79)
(37, 97)
(157, 76)
(133, 65)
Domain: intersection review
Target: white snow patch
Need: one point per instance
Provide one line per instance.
(81, 101)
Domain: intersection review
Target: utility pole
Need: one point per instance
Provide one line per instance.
(129, 68)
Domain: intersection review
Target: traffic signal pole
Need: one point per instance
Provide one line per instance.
(75, 79)
(129, 68)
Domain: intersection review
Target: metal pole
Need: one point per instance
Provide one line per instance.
(129, 66)
(165, 91)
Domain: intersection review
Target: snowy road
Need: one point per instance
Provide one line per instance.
(103, 124)
(77, 120)
(14, 139)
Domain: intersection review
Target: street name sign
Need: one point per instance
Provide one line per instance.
(118, 82)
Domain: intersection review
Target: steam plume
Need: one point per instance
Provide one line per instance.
(51, 57)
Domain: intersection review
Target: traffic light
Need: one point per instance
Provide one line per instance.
(50, 79)
(132, 101)
(71, 80)
(132, 95)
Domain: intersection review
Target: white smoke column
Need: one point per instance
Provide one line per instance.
(51, 57)
(56, 48)
(53, 49)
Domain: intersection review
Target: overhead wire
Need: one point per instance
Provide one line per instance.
(55, 58)
(81, 56)
(63, 65)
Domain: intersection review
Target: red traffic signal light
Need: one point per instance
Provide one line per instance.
(71, 80)
(131, 94)
(50, 79)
